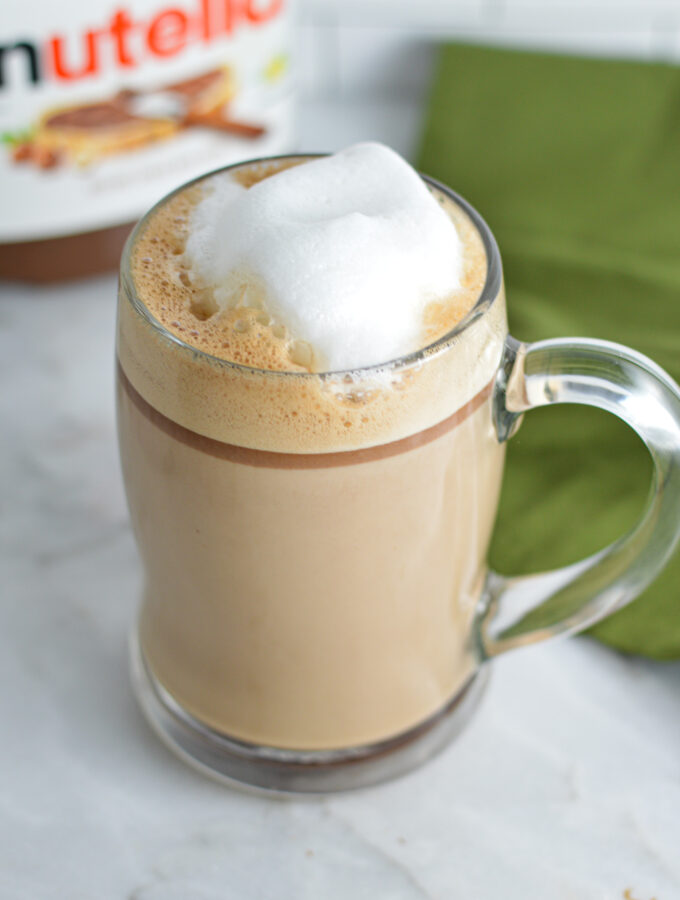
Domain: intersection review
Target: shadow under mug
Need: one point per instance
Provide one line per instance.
(316, 621)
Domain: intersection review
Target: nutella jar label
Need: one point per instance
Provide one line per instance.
(105, 106)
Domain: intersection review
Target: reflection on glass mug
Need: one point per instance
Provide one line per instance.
(318, 613)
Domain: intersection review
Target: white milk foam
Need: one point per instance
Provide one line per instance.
(345, 251)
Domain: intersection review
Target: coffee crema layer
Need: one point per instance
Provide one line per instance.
(236, 376)
(273, 460)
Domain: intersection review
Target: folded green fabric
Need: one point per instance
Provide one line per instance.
(575, 164)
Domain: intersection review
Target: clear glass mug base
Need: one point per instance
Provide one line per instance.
(268, 769)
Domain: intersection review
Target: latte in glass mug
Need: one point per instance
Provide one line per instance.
(308, 366)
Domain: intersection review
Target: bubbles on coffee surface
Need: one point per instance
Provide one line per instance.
(336, 259)
(235, 324)
(234, 320)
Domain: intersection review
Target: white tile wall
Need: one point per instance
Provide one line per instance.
(357, 49)
(384, 61)
(398, 12)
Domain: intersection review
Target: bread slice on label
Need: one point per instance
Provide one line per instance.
(83, 134)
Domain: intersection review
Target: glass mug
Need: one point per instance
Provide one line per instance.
(315, 618)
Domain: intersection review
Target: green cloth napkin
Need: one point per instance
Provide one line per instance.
(575, 165)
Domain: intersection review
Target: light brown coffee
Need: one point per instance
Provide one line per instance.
(314, 546)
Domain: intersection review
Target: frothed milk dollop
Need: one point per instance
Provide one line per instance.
(345, 252)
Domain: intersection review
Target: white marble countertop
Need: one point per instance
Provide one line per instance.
(566, 786)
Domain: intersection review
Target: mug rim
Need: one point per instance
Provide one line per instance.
(488, 294)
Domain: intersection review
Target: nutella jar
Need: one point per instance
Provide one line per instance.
(106, 106)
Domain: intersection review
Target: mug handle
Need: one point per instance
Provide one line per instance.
(522, 610)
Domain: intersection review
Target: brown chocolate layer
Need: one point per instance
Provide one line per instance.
(272, 460)
(191, 87)
(95, 117)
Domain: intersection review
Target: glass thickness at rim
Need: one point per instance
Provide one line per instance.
(490, 290)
